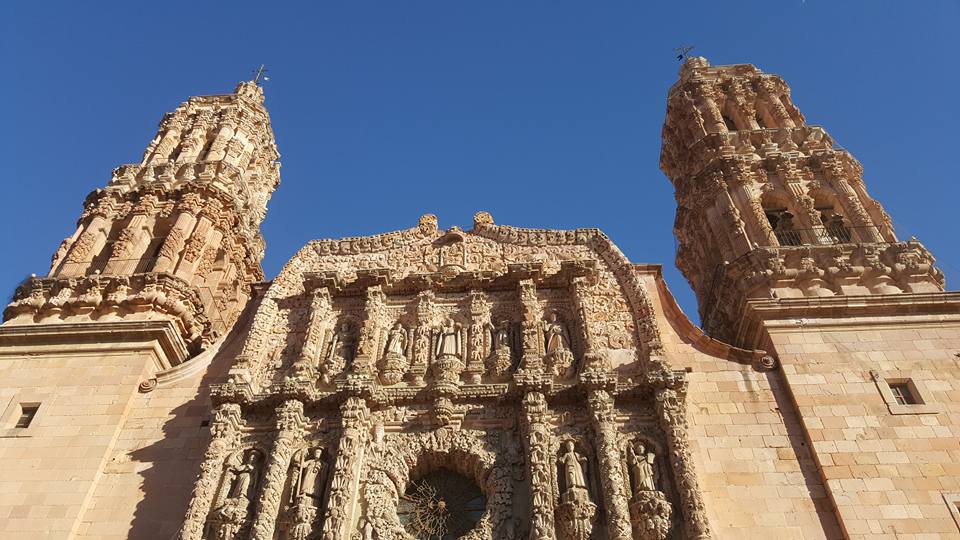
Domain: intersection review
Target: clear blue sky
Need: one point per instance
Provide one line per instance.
(547, 114)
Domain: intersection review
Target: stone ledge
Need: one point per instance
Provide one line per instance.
(168, 346)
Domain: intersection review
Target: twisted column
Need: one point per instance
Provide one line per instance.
(346, 469)
(611, 470)
(224, 430)
(290, 424)
(672, 416)
(537, 437)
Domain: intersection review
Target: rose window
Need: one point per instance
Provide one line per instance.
(441, 505)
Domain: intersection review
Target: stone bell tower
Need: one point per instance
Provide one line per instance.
(106, 355)
(768, 207)
(175, 237)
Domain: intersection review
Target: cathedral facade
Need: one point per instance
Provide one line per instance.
(491, 383)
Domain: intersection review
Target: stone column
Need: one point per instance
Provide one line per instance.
(290, 425)
(421, 337)
(707, 105)
(305, 365)
(166, 145)
(612, 481)
(477, 338)
(85, 248)
(224, 431)
(864, 229)
(532, 358)
(540, 462)
(736, 234)
(175, 240)
(344, 484)
(205, 236)
(671, 414)
(219, 146)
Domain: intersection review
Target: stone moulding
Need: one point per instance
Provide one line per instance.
(846, 270)
(102, 298)
(160, 336)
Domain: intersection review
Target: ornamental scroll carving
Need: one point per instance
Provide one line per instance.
(420, 367)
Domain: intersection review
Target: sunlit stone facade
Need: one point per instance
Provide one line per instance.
(490, 383)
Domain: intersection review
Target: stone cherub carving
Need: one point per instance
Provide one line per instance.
(395, 361)
(557, 353)
(308, 472)
(576, 512)
(340, 351)
(229, 517)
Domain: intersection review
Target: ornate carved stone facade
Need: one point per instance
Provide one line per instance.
(491, 383)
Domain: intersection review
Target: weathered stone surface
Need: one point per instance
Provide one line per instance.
(491, 383)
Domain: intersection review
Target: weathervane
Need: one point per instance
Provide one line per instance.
(682, 52)
(260, 73)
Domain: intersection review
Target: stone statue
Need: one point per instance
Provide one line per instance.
(242, 477)
(395, 363)
(558, 355)
(642, 467)
(309, 472)
(501, 355)
(649, 508)
(312, 473)
(340, 352)
(575, 513)
(229, 517)
(397, 340)
(572, 464)
(449, 344)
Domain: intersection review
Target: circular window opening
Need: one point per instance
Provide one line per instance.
(441, 505)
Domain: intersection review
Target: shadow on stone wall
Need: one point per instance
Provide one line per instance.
(171, 465)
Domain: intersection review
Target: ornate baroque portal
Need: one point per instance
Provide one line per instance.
(498, 383)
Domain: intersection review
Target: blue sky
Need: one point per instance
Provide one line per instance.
(546, 114)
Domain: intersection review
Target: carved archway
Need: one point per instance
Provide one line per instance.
(407, 457)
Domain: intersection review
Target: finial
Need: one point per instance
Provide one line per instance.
(482, 218)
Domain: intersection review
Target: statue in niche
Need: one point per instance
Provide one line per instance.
(229, 517)
(650, 510)
(576, 512)
(449, 340)
(340, 352)
(448, 351)
(558, 356)
(395, 362)
(642, 467)
(575, 483)
(502, 340)
(308, 472)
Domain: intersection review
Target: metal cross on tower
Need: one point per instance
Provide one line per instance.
(682, 51)
(260, 73)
